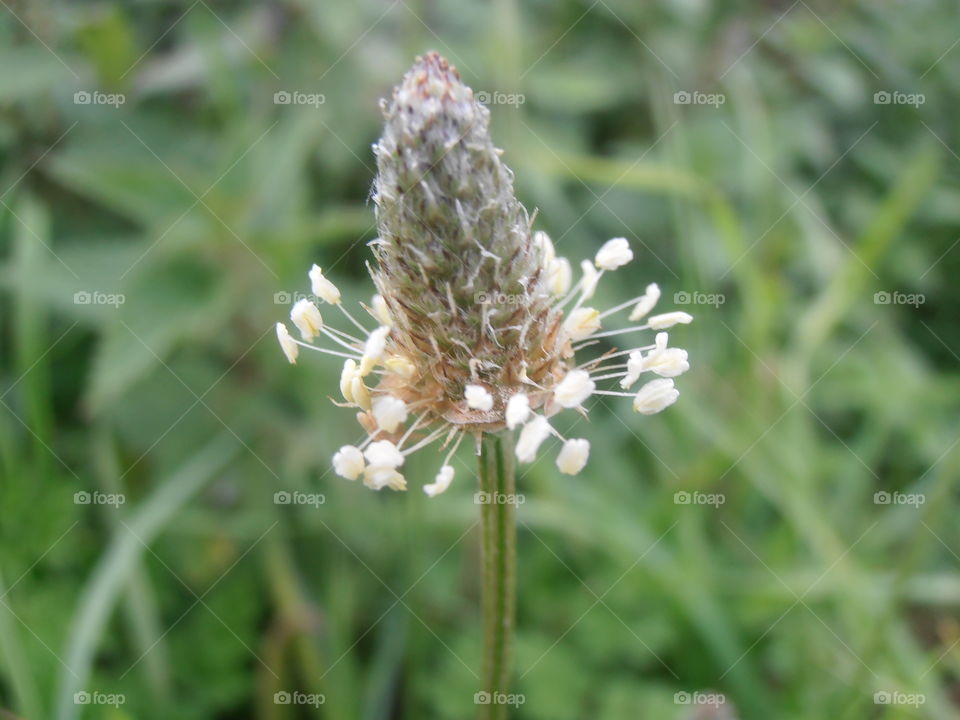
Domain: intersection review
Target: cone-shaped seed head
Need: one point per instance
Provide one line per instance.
(464, 283)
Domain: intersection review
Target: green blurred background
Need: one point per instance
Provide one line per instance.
(201, 202)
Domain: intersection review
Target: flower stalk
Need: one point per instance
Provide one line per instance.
(499, 547)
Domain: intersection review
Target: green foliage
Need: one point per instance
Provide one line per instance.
(199, 198)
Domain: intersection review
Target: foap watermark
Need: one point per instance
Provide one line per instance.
(284, 697)
(695, 97)
(95, 97)
(95, 697)
(883, 297)
(683, 297)
(83, 497)
(500, 98)
(895, 697)
(699, 698)
(895, 97)
(96, 297)
(296, 97)
(282, 297)
(498, 698)
(282, 497)
(684, 497)
(882, 497)
(500, 298)
(498, 498)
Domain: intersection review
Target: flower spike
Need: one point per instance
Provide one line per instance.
(481, 327)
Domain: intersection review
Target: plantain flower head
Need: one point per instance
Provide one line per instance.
(477, 322)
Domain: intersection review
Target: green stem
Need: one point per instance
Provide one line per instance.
(499, 533)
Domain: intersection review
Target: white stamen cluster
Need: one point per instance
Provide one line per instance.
(386, 408)
(582, 327)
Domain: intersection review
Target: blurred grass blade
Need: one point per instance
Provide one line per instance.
(139, 601)
(120, 560)
(16, 668)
